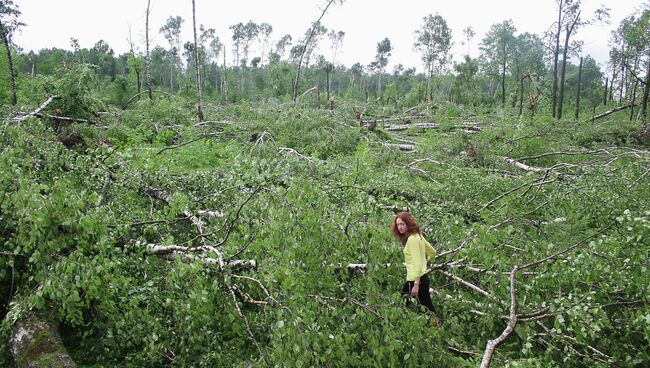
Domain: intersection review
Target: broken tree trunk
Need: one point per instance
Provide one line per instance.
(397, 128)
(35, 343)
(608, 112)
(401, 147)
(38, 110)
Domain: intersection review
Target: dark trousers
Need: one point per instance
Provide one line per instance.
(424, 297)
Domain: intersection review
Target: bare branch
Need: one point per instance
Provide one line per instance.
(512, 322)
(188, 142)
(38, 110)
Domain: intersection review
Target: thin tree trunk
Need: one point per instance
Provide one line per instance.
(10, 62)
(578, 90)
(379, 86)
(503, 75)
(521, 94)
(556, 54)
(304, 49)
(569, 30)
(224, 78)
(328, 70)
(644, 103)
(623, 77)
(611, 86)
(147, 71)
(605, 96)
(633, 100)
(199, 87)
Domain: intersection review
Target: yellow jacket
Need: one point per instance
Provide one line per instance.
(416, 252)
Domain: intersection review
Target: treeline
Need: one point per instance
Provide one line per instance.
(525, 72)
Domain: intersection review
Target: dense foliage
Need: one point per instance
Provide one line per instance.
(303, 192)
(121, 216)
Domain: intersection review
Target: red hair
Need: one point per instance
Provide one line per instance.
(412, 227)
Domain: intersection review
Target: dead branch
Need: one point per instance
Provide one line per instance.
(188, 142)
(522, 166)
(605, 151)
(401, 147)
(512, 322)
(38, 109)
(398, 128)
(428, 159)
(64, 118)
(467, 284)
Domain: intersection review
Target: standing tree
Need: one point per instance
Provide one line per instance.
(384, 49)
(216, 47)
(433, 42)
(147, 59)
(199, 87)
(568, 18)
(172, 32)
(316, 25)
(498, 46)
(264, 35)
(633, 37)
(8, 25)
(469, 35)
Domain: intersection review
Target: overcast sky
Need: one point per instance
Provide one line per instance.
(51, 23)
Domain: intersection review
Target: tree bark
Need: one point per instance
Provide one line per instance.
(10, 62)
(556, 54)
(644, 103)
(578, 90)
(304, 49)
(503, 75)
(147, 69)
(35, 343)
(569, 30)
(199, 86)
(521, 94)
(608, 112)
(605, 96)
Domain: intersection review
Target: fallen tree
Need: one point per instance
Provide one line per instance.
(35, 343)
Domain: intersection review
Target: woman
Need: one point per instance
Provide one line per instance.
(416, 251)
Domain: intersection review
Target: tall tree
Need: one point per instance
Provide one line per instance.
(199, 87)
(384, 49)
(469, 35)
(264, 35)
(9, 23)
(147, 60)
(306, 44)
(633, 36)
(498, 46)
(433, 42)
(172, 32)
(238, 38)
(569, 19)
